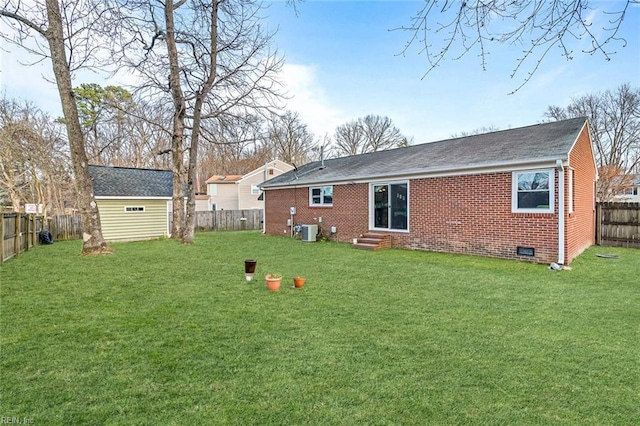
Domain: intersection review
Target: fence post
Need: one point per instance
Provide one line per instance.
(32, 229)
(16, 239)
(34, 234)
(1, 238)
(27, 233)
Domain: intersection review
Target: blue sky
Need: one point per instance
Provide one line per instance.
(343, 62)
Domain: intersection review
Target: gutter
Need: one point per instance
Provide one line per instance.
(421, 173)
(561, 224)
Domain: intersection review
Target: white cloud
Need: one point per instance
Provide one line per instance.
(26, 76)
(21, 79)
(309, 99)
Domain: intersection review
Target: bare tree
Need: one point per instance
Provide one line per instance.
(380, 133)
(210, 58)
(444, 29)
(349, 139)
(289, 138)
(122, 129)
(233, 142)
(34, 166)
(147, 140)
(614, 118)
(13, 153)
(66, 28)
(368, 134)
(478, 131)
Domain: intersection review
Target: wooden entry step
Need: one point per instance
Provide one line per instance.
(373, 241)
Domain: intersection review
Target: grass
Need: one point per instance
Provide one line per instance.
(161, 333)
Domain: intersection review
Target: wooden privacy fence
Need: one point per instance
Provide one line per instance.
(229, 220)
(618, 224)
(18, 233)
(66, 227)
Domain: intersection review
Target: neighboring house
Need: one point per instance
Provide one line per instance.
(632, 194)
(203, 203)
(242, 192)
(134, 203)
(525, 193)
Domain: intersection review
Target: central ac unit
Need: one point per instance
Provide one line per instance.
(309, 232)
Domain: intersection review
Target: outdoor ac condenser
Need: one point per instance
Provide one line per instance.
(309, 232)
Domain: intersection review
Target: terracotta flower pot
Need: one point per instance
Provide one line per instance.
(273, 283)
(298, 282)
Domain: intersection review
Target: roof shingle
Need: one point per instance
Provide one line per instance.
(130, 182)
(538, 142)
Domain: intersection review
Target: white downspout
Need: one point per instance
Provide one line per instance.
(560, 212)
(265, 174)
(264, 212)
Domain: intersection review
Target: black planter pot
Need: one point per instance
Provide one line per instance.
(249, 268)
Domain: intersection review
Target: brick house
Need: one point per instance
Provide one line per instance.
(525, 193)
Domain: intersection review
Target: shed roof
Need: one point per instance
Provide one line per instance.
(540, 142)
(130, 182)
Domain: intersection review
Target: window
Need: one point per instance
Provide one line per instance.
(321, 196)
(255, 190)
(533, 191)
(213, 189)
(270, 172)
(133, 209)
(390, 206)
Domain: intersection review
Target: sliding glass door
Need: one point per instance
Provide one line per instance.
(390, 206)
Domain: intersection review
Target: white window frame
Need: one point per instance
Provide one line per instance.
(213, 189)
(514, 191)
(372, 206)
(322, 203)
(134, 209)
(255, 190)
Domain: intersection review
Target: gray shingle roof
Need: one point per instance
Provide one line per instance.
(540, 142)
(130, 182)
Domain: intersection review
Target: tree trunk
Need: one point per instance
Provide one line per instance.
(189, 229)
(93, 241)
(177, 224)
(179, 112)
(189, 226)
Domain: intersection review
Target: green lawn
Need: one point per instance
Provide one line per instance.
(161, 333)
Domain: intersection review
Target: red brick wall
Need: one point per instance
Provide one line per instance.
(349, 214)
(580, 230)
(472, 214)
(458, 214)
